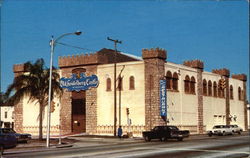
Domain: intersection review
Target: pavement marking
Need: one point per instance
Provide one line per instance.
(146, 151)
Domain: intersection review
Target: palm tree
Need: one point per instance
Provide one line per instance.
(3, 98)
(35, 85)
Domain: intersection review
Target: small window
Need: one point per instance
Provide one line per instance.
(209, 88)
(239, 93)
(169, 80)
(219, 90)
(175, 81)
(231, 92)
(131, 83)
(108, 84)
(192, 85)
(215, 89)
(6, 115)
(187, 84)
(204, 87)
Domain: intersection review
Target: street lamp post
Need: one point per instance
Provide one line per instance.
(52, 47)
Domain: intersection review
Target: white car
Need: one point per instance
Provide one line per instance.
(220, 130)
(236, 129)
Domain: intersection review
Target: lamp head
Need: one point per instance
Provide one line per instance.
(78, 33)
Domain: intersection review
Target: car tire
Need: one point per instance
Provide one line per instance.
(1, 150)
(239, 133)
(147, 139)
(224, 133)
(210, 134)
(162, 139)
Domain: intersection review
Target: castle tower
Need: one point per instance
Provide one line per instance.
(225, 73)
(19, 69)
(199, 66)
(243, 77)
(154, 61)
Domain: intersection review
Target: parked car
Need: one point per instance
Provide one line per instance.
(20, 137)
(220, 130)
(7, 141)
(236, 129)
(164, 133)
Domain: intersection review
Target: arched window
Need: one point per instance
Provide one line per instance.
(187, 84)
(209, 88)
(169, 79)
(215, 89)
(131, 83)
(219, 90)
(239, 93)
(108, 84)
(231, 92)
(192, 85)
(175, 81)
(204, 87)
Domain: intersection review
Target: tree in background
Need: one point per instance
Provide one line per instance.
(35, 85)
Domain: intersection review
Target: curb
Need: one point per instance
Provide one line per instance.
(39, 148)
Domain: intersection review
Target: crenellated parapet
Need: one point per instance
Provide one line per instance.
(154, 53)
(223, 72)
(198, 64)
(104, 56)
(241, 77)
(18, 68)
(83, 59)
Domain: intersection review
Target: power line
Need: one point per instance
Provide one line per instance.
(68, 45)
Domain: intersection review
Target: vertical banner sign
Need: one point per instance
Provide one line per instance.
(163, 98)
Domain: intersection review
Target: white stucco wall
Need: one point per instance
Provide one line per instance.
(236, 105)
(182, 107)
(9, 110)
(132, 99)
(214, 108)
(31, 117)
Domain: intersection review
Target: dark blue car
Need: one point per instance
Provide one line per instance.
(7, 141)
(21, 137)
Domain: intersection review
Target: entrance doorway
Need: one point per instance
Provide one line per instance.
(78, 103)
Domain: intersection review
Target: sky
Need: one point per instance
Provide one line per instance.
(214, 31)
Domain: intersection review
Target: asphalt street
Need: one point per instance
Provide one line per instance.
(194, 147)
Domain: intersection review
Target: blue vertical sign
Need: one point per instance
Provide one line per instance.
(163, 98)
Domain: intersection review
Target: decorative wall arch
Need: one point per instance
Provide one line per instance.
(169, 79)
(204, 87)
(209, 88)
(131, 82)
(175, 81)
(187, 84)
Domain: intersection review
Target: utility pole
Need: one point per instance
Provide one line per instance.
(120, 78)
(115, 56)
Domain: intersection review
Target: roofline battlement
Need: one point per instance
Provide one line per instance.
(82, 59)
(242, 77)
(17, 68)
(198, 64)
(154, 53)
(223, 72)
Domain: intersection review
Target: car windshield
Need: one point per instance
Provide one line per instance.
(173, 128)
(217, 127)
(8, 130)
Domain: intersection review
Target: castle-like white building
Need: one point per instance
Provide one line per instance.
(195, 99)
